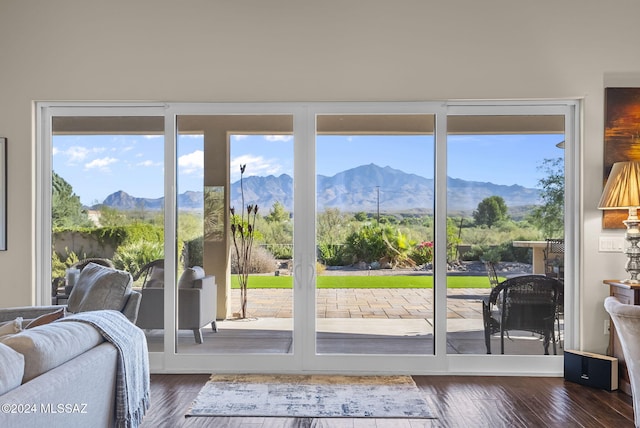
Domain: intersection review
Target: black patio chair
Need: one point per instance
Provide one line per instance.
(554, 267)
(523, 303)
(150, 272)
(491, 273)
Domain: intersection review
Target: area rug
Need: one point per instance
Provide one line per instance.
(310, 396)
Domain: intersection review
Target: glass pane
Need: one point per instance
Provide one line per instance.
(107, 201)
(227, 164)
(374, 234)
(505, 200)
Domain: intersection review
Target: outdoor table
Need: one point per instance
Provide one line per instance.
(538, 254)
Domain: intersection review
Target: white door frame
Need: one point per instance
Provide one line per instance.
(303, 358)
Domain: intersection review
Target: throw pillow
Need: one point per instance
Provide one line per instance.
(11, 369)
(100, 287)
(46, 318)
(189, 276)
(11, 327)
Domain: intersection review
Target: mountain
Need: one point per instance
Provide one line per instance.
(264, 191)
(123, 201)
(356, 189)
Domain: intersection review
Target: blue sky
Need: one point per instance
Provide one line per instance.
(97, 166)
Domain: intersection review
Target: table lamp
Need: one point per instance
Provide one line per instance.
(622, 191)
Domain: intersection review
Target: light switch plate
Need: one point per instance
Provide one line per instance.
(611, 244)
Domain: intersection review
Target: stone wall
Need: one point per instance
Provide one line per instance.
(83, 244)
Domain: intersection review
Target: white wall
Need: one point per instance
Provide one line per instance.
(297, 50)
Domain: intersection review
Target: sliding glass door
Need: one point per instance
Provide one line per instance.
(315, 237)
(234, 205)
(505, 205)
(375, 234)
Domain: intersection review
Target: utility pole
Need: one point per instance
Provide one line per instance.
(378, 189)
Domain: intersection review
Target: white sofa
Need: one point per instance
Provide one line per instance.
(61, 374)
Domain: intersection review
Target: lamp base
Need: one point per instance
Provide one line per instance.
(633, 251)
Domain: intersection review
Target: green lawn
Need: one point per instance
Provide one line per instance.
(395, 281)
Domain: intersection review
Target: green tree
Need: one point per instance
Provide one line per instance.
(332, 226)
(360, 216)
(549, 217)
(490, 211)
(277, 213)
(111, 217)
(66, 208)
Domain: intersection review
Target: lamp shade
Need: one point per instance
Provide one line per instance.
(623, 187)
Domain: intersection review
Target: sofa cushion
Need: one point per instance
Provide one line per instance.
(189, 276)
(100, 287)
(47, 346)
(11, 368)
(44, 319)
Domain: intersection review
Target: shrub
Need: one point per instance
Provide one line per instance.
(262, 261)
(132, 256)
(280, 251)
(422, 253)
(331, 254)
(193, 253)
(59, 267)
(366, 245)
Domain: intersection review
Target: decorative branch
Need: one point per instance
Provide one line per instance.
(243, 232)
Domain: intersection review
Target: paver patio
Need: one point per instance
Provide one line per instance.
(462, 303)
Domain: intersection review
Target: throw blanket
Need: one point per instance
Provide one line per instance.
(132, 377)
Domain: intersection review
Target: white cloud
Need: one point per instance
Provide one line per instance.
(256, 165)
(238, 137)
(149, 163)
(278, 137)
(77, 153)
(102, 163)
(192, 163)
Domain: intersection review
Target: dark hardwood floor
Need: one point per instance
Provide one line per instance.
(457, 401)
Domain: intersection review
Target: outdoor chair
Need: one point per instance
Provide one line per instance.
(522, 303)
(554, 268)
(491, 273)
(197, 299)
(626, 321)
(152, 272)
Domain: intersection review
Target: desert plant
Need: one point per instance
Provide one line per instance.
(280, 251)
(331, 254)
(243, 234)
(399, 246)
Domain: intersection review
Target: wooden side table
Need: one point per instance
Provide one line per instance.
(628, 294)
